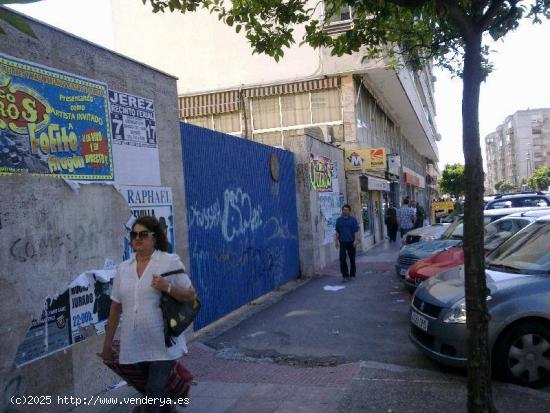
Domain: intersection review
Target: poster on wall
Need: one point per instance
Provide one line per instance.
(90, 306)
(135, 147)
(47, 334)
(53, 123)
(81, 311)
(321, 172)
(150, 200)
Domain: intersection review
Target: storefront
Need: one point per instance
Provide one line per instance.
(415, 185)
(368, 191)
(374, 200)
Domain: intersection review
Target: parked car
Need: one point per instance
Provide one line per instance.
(495, 234)
(487, 199)
(427, 233)
(518, 200)
(518, 279)
(452, 236)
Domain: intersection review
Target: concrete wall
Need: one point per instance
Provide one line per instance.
(315, 252)
(50, 233)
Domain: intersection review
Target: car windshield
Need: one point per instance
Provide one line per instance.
(528, 252)
(455, 230)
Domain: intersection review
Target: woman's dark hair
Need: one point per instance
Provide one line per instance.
(153, 224)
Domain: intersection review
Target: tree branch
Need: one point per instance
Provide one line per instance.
(491, 12)
(501, 20)
(457, 15)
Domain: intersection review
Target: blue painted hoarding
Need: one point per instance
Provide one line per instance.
(243, 228)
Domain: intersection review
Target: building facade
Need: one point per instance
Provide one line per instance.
(345, 101)
(519, 146)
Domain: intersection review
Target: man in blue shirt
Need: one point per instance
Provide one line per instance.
(347, 229)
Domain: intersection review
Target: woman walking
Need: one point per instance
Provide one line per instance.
(136, 292)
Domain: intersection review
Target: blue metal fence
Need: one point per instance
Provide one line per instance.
(243, 229)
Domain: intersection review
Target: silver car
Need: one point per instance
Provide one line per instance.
(518, 276)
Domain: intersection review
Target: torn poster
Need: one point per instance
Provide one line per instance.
(79, 312)
(150, 200)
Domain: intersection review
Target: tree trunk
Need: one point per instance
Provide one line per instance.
(480, 397)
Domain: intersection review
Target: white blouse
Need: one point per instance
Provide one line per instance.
(141, 325)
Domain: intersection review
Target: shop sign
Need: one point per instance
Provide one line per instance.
(375, 184)
(412, 178)
(394, 163)
(368, 159)
(356, 159)
(377, 159)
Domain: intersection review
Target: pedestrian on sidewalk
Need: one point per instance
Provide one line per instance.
(137, 290)
(391, 222)
(420, 214)
(406, 217)
(347, 230)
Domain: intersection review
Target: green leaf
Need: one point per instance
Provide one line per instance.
(17, 22)
(238, 28)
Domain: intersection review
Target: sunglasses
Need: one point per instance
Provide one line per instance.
(140, 234)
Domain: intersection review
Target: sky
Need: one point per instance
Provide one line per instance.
(519, 81)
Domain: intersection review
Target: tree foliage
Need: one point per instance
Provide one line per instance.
(419, 29)
(540, 179)
(452, 180)
(14, 20)
(504, 186)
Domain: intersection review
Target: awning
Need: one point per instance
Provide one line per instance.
(230, 101)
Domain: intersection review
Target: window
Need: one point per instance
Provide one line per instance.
(269, 138)
(224, 122)
(531, 202)
(202, 121)
(526, 253)
(325, 106)
(501, 204)
(295, 109)
(227, 122)
(343, 15)
(266, 113)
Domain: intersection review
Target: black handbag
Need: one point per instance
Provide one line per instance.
(177, 315)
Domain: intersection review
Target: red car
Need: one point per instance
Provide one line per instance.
(433, 265)
(495, 234)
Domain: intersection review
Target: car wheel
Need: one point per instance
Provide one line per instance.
(522, 356)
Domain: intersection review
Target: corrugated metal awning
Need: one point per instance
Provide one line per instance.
(229, 101)
(219, 102)
(297, 87)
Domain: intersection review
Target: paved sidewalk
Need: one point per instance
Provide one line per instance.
(229, 380)
(241, 386)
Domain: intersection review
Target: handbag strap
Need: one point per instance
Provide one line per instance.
(178, 271)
